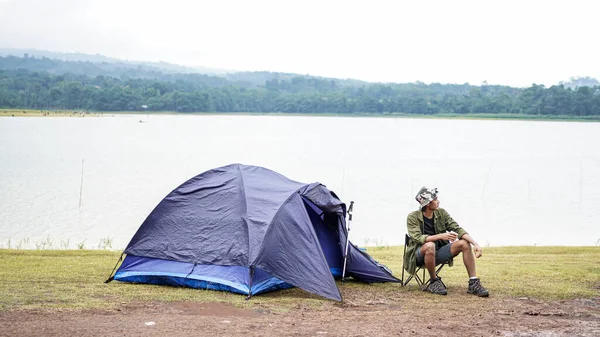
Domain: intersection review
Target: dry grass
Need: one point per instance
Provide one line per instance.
(44, 113)
(74, 279)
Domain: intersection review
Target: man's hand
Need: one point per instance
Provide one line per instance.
(448, 236)
(478, 251)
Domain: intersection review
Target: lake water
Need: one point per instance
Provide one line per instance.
(69, 182)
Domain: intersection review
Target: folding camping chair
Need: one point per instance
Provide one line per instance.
(420, 270)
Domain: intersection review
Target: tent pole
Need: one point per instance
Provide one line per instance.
(111, 277)
(347, 238)
(251, 272)
(190, 273)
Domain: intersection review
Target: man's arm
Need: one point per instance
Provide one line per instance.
(452, 225)
(414, 231)
(442, 236)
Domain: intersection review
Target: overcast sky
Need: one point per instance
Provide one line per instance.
(502, 42)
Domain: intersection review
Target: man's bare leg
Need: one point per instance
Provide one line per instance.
(462, 246)
(428, 251)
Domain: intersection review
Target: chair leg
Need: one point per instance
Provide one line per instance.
(404, 283)
(402, 279)
(424, 284)
(420, 279)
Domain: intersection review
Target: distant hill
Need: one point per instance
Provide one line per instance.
(105, 67)
(161, 66)
(259, 78)
(99, 65)
(56, 55)
(97, 83)
(119, 70)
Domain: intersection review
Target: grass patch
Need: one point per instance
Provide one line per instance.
(549, 273)
(74, 279)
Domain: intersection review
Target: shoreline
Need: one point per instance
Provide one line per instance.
(478, 116)
(47, 113)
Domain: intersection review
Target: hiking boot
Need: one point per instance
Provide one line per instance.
(476, 288)
(437, 287)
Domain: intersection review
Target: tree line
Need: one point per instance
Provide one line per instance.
(50, 84)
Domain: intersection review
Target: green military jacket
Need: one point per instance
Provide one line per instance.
(414, 222)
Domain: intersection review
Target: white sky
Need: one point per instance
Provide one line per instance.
(502, 42)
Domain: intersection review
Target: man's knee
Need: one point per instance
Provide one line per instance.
(464, 245)
(429, 248)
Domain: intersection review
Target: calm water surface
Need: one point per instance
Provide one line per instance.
(66, 182)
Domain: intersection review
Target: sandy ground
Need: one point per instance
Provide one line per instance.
(472, 316)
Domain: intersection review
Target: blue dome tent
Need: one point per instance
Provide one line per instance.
(248, 230)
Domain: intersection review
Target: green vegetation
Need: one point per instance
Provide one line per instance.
(45, 84)
(74, 279)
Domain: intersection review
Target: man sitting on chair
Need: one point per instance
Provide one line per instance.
(436, 238)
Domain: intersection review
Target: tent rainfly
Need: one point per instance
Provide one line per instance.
(248, 230)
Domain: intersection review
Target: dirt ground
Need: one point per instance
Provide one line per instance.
(355, 317)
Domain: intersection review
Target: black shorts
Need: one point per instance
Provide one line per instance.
(441, 255)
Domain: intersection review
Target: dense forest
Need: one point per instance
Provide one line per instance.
(42, 83)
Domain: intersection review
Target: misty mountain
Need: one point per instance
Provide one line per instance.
(119, 70)
(260, 78)
(99, 65)
(163, 67)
